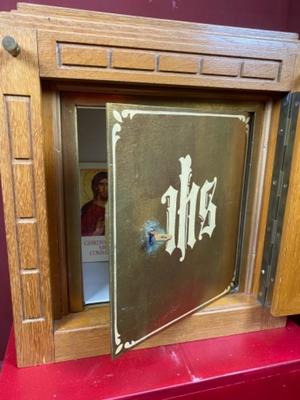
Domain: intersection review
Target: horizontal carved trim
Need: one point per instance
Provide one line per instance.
(27, 244)
(179, 70)
(179, 63)
(18, 111)
(261, 70)
(83, 56)
(127, 59)
(32, 307)
(159, 63)
(24, 190)
(222, 66)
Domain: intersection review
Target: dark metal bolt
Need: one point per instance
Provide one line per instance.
(10, 45)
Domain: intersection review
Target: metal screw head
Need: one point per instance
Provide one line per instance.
(11, 45)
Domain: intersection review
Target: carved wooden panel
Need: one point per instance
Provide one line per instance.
(73, 56)
(221, 66)
(178, 63)
(24, 189)
(31, 295)
(111, 58)
(27, 244)
(22, 178)
(246, 63)
(18, 110)
(129, 60)
(261, 70)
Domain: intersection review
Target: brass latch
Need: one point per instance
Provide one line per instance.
(160, 237)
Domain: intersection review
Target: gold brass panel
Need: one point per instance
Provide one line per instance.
(158, 155)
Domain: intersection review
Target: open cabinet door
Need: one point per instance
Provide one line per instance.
(286, 294)
(176, 181)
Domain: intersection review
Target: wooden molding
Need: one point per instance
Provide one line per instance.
(23, 186)
(230, 315)
(85, 45)
(146, 22)
(107, 58)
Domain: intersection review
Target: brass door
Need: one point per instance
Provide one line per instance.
(176, 180)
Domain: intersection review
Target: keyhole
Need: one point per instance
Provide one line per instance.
(151, 238)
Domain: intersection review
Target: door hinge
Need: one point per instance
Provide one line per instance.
(280, 183)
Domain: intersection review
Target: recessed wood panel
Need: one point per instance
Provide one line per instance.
(179, 63)
(221, 66)
(31, 294)
(18, 110)
(260, 70)
(88, 56)
(24, 190)
(28, 244)
(24, 186)
(222, 57)
(133, 60)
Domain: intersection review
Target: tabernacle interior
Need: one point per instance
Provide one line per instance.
(92, 157)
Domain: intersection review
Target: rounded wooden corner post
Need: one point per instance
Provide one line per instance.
(23, 187)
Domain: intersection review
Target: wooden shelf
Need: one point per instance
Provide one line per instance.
(87, 333)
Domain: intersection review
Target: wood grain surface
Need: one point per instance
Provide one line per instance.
(55, 201)
(131, 60)
(23, 187)
(230, 315)
(91, 45)
(125, 20)
(286, 295)
(27, 244)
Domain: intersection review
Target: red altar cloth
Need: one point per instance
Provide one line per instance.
(259, 365)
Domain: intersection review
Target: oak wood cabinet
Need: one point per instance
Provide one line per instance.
(70, 58)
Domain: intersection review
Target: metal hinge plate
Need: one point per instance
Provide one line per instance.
(280, 183)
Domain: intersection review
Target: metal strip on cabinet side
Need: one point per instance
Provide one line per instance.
(280, 183)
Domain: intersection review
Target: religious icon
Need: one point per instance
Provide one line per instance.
(93, 199)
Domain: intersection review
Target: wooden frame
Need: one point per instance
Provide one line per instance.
(70, 46)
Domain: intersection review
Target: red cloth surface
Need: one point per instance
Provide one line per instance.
(259, 365)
